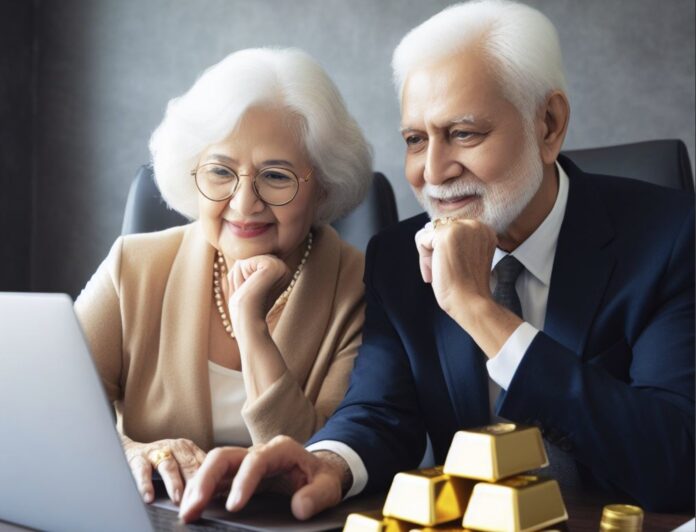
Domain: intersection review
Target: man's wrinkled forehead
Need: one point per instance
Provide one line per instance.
(456, 89)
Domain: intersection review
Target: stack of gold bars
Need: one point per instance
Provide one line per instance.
(480, 487)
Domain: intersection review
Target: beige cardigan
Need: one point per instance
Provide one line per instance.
(145, 314)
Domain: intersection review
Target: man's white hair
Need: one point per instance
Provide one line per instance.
(287, 78)
(521, 42)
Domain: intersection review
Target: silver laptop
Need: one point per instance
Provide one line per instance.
(61, 462)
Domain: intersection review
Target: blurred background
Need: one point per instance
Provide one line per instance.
(83, 83)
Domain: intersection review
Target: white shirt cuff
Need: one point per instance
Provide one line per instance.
(355, 463)
(502, 367)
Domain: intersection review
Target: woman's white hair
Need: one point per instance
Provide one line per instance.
(214, 105)
(521, 42)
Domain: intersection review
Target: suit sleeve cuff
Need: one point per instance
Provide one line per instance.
(502, 367)
(355, 463)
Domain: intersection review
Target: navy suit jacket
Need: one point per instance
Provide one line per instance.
(610, 379)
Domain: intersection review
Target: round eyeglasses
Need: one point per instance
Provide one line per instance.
(273, 185)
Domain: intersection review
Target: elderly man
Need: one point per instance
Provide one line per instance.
(537, 293)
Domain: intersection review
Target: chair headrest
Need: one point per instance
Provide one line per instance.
(661, 162)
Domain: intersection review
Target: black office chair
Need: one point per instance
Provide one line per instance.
(146, 210)
(661, 162)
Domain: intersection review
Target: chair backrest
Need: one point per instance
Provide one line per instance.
(146, 211)
(661, 162)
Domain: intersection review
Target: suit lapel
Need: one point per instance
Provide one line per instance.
(464, 369)
(582, 266)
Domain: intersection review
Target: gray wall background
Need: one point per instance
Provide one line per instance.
(16, 160)
(104, 71)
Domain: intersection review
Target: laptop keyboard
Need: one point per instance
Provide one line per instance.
(164, 520)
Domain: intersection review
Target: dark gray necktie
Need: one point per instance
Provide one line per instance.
(561, 464)
(507, 271)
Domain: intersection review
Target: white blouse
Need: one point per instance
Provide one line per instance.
(227, 395)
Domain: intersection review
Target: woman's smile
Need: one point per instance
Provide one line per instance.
(242, 229)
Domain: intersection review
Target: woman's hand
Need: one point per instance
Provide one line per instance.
(177, 458)
(255, 284)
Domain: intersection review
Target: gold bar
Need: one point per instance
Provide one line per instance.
(495, 451)
(446, 527)
(427, 496)
(521, 503)
(374, 522)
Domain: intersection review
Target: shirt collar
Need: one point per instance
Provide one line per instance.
(536, 253)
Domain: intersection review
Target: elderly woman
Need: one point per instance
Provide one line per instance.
(243, 324)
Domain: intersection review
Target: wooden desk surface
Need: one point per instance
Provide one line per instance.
(584, 513)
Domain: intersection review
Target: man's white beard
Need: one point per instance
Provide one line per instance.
(502, 201)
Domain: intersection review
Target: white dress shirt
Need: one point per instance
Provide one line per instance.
(536, 254)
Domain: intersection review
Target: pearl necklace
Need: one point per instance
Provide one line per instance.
(220, 272)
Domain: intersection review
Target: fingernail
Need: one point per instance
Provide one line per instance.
(182, 508)
(177, 495)
(308, 506)
(148, 496)
(233, 501)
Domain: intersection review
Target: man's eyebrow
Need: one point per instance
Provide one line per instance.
(468, 119)
(464, 119)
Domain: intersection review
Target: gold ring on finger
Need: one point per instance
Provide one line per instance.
(160, 456)
(443, 220)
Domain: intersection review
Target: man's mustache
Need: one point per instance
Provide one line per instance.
(455, 189)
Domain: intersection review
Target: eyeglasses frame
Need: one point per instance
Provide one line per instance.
(305, 179)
